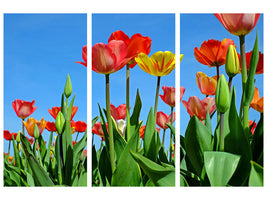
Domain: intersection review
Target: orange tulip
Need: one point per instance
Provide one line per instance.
(207, 85)
(257, 102)
(213, 52)
(31, 123)
(56, 109)
(199, 108)
(23, 109)
(135, 45)
(182, 90)
(168, 95)
(163, 118)
(238, 23)
(84, 54)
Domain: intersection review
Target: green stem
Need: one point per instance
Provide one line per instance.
(110, 130)
(171, 135)
(128, 135)
(163, 137)
(221, 136)
(218, 75)
(23, 127)
(8, 150)
(156, 99)
(230, 83)
(77, 136)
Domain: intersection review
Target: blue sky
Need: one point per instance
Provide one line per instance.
(161, 29)
(194, 30)
(39, 51)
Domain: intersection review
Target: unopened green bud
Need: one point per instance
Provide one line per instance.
(68, 87)
(36, 133)
(232, 61)
(18, 137)
(222, 96)
(60, 121)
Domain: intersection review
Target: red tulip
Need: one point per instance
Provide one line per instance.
(80, 126)
(182, 90)
(119, 112)
(23, 109)
(97, 129)
(135, 45)
(30, 123)
(8, 135)
(142, 131)
(84, 53)
(56, 109)
(163, 118)
(257, 102)
(199, 108)
(107, 59)
(238, 23)
(31, 140)
(207, 85)
(50, 126)
(259, 69)
(168, 95)
(213, 52)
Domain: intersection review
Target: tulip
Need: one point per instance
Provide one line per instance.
(222, 96)
(119, 112)
(60, 122)
(232, 62)
(259, 69)
(97, 129)
(107, 59)
(135, 45)
(142, 131)
(198, 107)
(50, 126)
(54, 111)
(121, 125)
(68, 87)
(168, 95)
(8, 135)
(36, 132)
(159, 64)
(23, 109)
(18, 137)
(257, 102)
(30, 124)
(182, 90)
(207, 85)
(238, 23)
(163, 118)
(80, 126)
(252, 126)
(84, 54)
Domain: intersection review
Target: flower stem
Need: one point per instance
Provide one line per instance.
(246, 119)
(128, 130)
(8, 150)
(221, 136)
(77, 136)
(156, 100)
(230, 83)
(23, 127)
(171, 135)
(110, 130)
(218, 75)
(163, 137)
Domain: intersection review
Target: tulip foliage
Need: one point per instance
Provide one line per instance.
(230, 154)
(36, 163)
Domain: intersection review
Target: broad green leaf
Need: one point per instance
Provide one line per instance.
(104, 166)
(134, 119)
(47, 156)
(197, 141)
(70, 109)
(172, 128)
(208, 122)
(42, 146)
(257, 142)
(59, 158)
(16, 153)
(78, 148)
(160, 175)
(119, 141)
(237, 143)
(256, 175)
(220, 166)
(83, 179)
(40, 176)
(94, 121)
(128, 172)
(103, 124)
(183, 181)
(30, 179)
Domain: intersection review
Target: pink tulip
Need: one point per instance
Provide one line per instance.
(168, 95)
(119, 112)
(238, 23)
(163, 118)
(199, 108)
(107, 59)
(23, 109)
(182, 90)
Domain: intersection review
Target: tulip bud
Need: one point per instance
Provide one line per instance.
(60, 121)
(222, 96)
(19, 147)
(232, 61)
(18, 137)
(36, 133)
(68, 87)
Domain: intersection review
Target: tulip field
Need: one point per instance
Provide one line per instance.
(223, 142)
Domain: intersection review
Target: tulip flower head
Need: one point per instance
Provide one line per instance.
(257, 102)
(135, 45)
(182, 90)
(168, 95)
(198, 107)
(8, 135)
(212, 52)
(55, 110)
(238, 23)
(97, 129)
(159, 64)
(163, 118)
(30, 124)
(107, 59)
(80, 126)
(259, 68)
(23, 109)
(222, 96)
(206, 84)
(50, 126)
(119, 112)
(84, 54)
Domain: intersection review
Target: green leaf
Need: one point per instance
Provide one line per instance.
(237, 143)
(104, 166)
(119, 141)
(160, 175)
(47, 156)
(78, 148)
(134, 119)
(257, 142)
(70, 109)
(103, 124)
(128, 172)
(172, 128)
(94, 121)
(183, 181)
(16, 153)
(256, 175)
(59, 158)
(208, 122)
(40, 176)
(83, 179)
(220, 166)
(197, 140)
